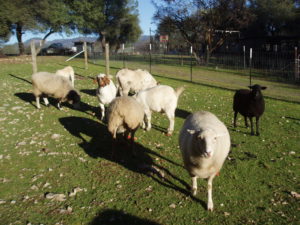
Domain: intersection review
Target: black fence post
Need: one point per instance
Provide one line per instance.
(150, 56)
(123, 54)
(250, 65)
(244, 51)
(191, 69)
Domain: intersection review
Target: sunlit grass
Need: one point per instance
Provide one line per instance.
(256, 184)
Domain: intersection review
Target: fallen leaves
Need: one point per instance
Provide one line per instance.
(55, 197)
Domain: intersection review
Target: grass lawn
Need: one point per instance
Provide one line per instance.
(56, 167)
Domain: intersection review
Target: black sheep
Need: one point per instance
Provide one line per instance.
(249, 103)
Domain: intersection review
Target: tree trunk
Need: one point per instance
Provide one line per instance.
(19, 34)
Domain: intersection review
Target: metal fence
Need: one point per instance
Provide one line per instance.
(274, 65)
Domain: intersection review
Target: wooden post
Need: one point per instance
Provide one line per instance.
(33, 56)
(107, 59)
(85, 55)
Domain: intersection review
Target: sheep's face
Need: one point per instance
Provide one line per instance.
(209, 141)
(256, 90)
(73, 98)
(103, 81)
(205, 141)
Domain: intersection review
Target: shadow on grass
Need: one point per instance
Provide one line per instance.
(117, 217)
(20, 78)
(84, 107)
(182, 113)
(26, 97)
(100, 145)
(91, 92)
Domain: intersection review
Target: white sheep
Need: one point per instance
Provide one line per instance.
(49, 84)
(204, 143)
(134, 80)
(105, 92)
(67, 72)
(125, 115)
(161, 98)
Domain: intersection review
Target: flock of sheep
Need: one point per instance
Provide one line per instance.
(204, 140)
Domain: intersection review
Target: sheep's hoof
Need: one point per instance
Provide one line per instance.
(194, 191)
(210, 206)
(257, 134)
(252, 133)
(129, 137)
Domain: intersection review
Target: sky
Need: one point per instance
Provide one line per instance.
(146, 11)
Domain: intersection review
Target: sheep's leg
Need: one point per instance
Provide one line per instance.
(37, 98)
(102, 111)
(132, 132)
(171, 126)
(194, 186)
(58, 104)
(246, 121)
(234, 120)
(257, 126)
(148, 120)
(251, 123)
(46, 101)
(210, 204)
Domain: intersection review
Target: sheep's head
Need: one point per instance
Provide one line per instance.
(73, 97)
(103, 81)
(205, 141)
(256, 90)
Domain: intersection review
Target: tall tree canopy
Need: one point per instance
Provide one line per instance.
(19, 16)
(114, 21)
(274, 17)
(202, 23)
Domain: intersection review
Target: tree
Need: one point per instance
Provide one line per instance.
(19, 16)
(273, 17)
(204, 24)
(114, 21)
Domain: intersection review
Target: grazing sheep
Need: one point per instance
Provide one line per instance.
(48, 84)
(105, 92)
(161, 98)
(68, 73)
(249, 103)
(204, 143)
(134, 80)
(125, 115)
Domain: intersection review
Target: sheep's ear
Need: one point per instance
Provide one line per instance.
(190, 131)
(250, 87)
(263, 88)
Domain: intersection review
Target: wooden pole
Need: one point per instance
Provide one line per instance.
(107, 59)
(85, 55)
(33, 56)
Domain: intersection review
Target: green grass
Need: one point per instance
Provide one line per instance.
(254, 186)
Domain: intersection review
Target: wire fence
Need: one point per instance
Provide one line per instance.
(271, 65)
